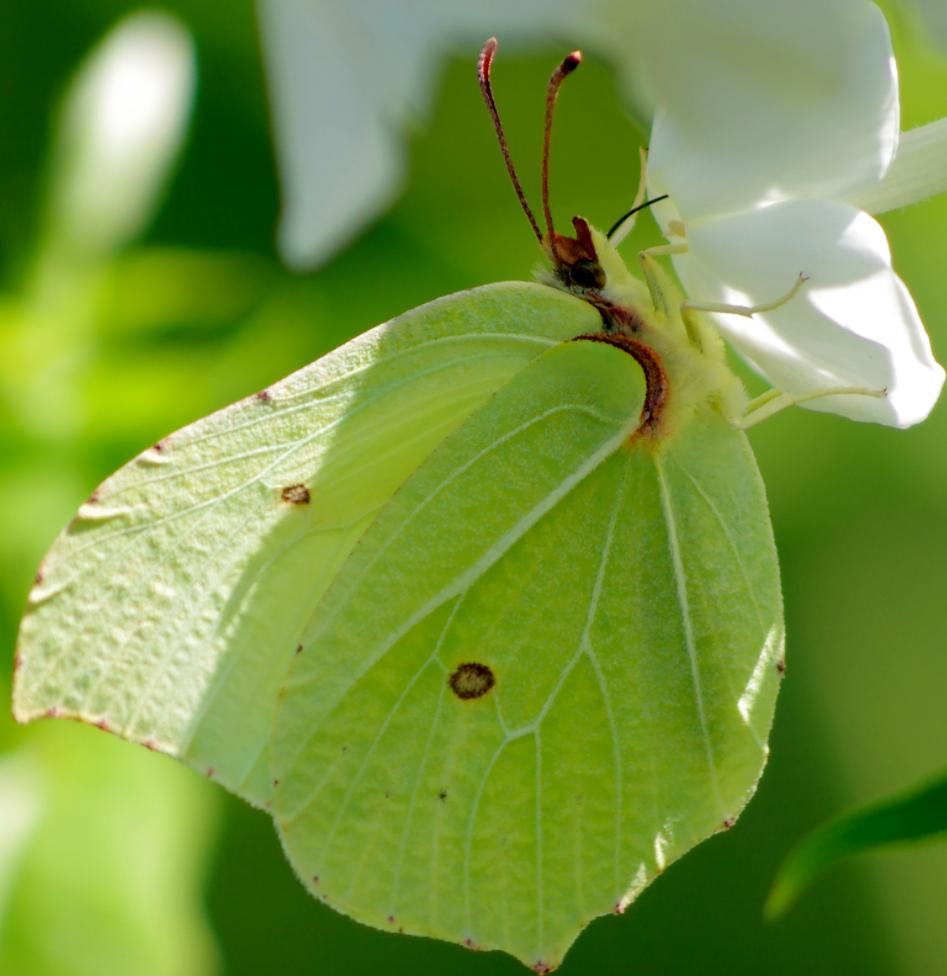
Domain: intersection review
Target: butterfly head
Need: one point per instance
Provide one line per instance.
(575, 259)
(587, 264)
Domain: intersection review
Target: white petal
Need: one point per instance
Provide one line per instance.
(853, 324)
(344, 77)
(766, 101)
(122, 124)
(919, 171)
(340, 156)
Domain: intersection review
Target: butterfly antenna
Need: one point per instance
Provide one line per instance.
(632, 212)
(484, 64)
(569, 64)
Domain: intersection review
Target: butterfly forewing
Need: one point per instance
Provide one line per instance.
(169, 608)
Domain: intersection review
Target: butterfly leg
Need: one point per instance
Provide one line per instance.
(774, 401)
(655, 276)
(618, 233)
(747, 310)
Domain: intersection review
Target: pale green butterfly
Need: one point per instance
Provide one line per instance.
(484, 605)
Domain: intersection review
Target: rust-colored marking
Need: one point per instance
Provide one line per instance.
(728, 823)
(264, 396)
(295, 495)
(103, 725)
(391, 920)
(471, 680)
(656, 382)
(781, 666)
(620, 319)
(39, 577)
(150, 744)
(209, 772)
(17, 662)
(544, 968)
(51, 713)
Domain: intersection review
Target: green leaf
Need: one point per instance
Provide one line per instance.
(109, 861)
(168, 610)
(919, 814)
(546, 672)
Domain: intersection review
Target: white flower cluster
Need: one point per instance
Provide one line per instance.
(771, 124)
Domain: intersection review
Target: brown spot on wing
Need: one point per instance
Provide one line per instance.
(471, 680)
(295, 495)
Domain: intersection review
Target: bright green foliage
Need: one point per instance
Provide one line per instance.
(918, 815)
(105, 879)
(490, 618)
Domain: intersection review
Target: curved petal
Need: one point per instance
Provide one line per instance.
(344, 77)
(122, 125)
(852, 325)
(339, 153)
(761, 102)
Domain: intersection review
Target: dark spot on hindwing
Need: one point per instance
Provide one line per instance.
(471, 680)
(295, 495)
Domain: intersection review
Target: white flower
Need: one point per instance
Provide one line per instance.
(345, 77)
(770, 119)
(122, 123)
(773, 122)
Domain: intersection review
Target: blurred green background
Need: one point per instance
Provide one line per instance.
(115, 861)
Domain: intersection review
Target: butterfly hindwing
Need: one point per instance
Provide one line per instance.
(536, 682)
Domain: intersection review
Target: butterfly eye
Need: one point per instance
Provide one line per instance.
(586, 274)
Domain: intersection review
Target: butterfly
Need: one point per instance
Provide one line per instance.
(483, 606)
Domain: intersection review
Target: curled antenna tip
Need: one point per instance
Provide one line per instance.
(486, 57)
(484, 66)
(571, 62)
